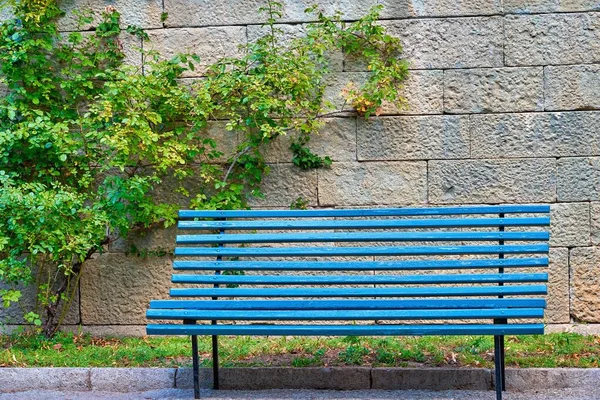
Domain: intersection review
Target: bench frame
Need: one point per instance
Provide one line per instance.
(499, 352)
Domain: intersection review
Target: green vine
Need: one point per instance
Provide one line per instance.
(87, 142)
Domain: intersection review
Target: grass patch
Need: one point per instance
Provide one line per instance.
(72, 350)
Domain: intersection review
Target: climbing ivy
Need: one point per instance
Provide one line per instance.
(87, 142)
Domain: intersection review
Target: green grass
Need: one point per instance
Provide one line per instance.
(70, 350)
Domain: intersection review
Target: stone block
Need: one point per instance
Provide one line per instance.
(423, 91)
(570, 224)
(492, 181)
(595, 223)
(14, 313)
(131, 379)
(144, 241)
(578, 179)
(557, 309)
(441, 43)
(260, 378)
(142, 13)
(22, 379)
(493, 90)
(552, 39)
(116, 289)
(572, 87)
(290, 33)
(524, 379)
(284, 184)
(186, 13)
(336, 139)
(394, 9)
(585, 284)
(549, 6)
(431, 379)
(558, 134)
(373, 183)
(210, 44)
(413, 138)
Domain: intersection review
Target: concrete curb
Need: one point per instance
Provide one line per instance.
(337, 378)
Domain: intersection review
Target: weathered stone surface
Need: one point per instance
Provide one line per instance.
(491, 181)
(585, 284)
(413, 138)
(143, 241)
(558, 134)
(552, 39)
(570, 224)
(423, 91)
(557, 309)
(284, 184)
(5, 12)
(107, 330)
(581, 329)
(578, 179)
(493, 90)
(116, 289)
(353, 9)
(524, 379)
(381, 183)
(431, 379)
(448, 43)
(573, 87)
(210, 44)
(336, 139)
(595, 223)
(142, 13)
(131, 379)
(258, 378)
(237, 12)
(22, 379)
(14, 313)
(548, 6)
(290, 33)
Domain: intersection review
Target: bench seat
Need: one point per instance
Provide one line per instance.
(363, 272)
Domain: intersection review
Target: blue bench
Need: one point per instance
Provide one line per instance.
(333, 271)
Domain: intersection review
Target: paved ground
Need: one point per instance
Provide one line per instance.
(172, 394)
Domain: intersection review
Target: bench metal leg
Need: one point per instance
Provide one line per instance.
(502, 363)
(215, 355)
(195, 361)
(498, 356)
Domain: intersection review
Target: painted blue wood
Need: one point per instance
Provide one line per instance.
(404, 265)
(361, 237)
(363, 292)
(343, 315)
(346, 330)
(357, 251)
(358, 279)
(349, 304)
(363, 224)
(377, 212)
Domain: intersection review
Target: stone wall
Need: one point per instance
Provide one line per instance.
(504, 107)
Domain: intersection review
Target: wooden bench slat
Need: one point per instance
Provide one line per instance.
(308, 304)
(361, 237)
(346, 330)
(364, 224)
(363, 292)
(396, 265)
(358, 251)
(357, 279)
(507, 209)
(343, 315)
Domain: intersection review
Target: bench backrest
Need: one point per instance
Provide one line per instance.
(470, 257)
